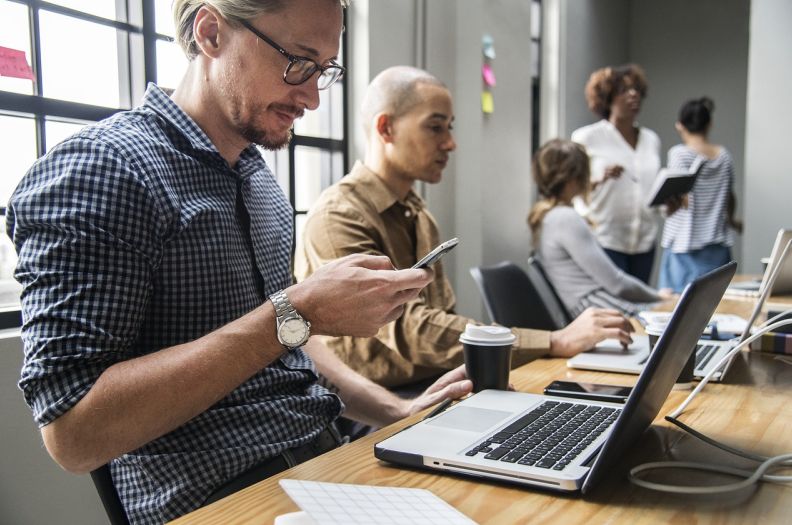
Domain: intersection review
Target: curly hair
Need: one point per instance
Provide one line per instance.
(554, 164)
(604, 84)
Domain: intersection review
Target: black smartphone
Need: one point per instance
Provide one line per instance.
(435, 254)
(594, 391)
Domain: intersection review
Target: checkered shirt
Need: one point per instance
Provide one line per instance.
(130, 241)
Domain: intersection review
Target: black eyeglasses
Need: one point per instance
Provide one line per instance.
(300, 69)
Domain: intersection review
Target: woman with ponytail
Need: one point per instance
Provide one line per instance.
(577, 266)
(698, 234)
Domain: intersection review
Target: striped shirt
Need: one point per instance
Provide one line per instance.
(704, 221)
(130, 240)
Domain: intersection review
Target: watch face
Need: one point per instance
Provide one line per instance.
(293, 332)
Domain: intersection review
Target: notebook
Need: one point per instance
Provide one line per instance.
(554, 442)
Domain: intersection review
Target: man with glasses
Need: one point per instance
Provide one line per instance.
(162, 331)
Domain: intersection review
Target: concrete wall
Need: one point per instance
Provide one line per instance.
(33, 488)
(768, 155)
(486, 191)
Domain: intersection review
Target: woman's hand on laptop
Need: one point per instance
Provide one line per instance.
(588, 329)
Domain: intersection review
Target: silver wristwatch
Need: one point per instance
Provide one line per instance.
(292, 329)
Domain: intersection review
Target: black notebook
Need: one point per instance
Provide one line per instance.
(670, 183)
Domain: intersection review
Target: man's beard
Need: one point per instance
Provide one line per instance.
(258, 136)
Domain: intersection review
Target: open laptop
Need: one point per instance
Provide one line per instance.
(553, 442)
(609, 356)
(783, 284)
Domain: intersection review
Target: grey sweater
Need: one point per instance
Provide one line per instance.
(577, 265)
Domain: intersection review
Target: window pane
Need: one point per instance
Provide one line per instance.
(63, 41)
(536, 20)
(278, 162)
(315, 170)
(15, 34)
(299, 228)
(103, 8)
(163, 17)
(171, 64)
(327, 120)
(18, 151)
(56, 132)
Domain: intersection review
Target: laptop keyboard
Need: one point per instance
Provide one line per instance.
(704, 354)
(550, 436)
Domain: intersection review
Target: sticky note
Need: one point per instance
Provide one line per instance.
(488, 46)
(488, 75)
(487, 104)
(14, 64)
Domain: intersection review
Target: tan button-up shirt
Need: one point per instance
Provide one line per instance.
(361, 215)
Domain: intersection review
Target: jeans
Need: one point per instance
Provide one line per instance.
(636, 264)
(678, 269)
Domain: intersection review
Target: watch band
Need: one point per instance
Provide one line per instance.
(283, 308)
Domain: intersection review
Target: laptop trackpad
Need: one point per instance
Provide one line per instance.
(470, 418)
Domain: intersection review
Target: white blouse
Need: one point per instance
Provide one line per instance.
(622, 221)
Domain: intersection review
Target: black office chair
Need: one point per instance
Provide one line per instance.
(511, 299)
(103, 482)
(552, 301)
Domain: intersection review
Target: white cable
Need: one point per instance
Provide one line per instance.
(775, 318)
(751, 477)
(723, 360)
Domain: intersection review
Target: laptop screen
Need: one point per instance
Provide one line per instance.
(688, 321)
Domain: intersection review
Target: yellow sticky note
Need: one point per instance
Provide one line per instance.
(487, 104)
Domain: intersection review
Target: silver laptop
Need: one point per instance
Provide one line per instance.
(783, 284)
(554, 442)
(609, 356)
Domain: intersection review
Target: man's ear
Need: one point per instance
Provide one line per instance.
(206, 30)
(383, 124)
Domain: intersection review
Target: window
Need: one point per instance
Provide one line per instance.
(91, 59)
(536, 69)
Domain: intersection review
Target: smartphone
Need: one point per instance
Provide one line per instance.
(596, 392)
(435, 254)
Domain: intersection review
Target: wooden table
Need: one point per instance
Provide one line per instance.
(752, 410)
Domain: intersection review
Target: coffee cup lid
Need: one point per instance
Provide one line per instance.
(656, 328)
(487, 335)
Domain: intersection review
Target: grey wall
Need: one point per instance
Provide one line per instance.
(486, 191)
(33, 488)
(768, 156)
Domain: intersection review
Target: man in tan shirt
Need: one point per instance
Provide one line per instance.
(408, 115)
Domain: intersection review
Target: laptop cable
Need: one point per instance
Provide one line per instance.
(763, 472)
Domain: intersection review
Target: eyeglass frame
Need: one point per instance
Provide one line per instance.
(293, 59)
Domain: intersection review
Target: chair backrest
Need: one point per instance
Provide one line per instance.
(511, 298)
(550, 298)
(103, 482)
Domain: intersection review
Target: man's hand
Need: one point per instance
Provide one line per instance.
(590, 327)
(451, 385)
(356, 295)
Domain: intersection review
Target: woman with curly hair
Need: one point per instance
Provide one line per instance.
(697, 237)
(574, 261)
(625, 159)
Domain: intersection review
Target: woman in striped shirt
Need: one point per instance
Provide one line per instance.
(698, 233)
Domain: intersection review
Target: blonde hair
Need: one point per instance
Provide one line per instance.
(554, 164)
(232, 10)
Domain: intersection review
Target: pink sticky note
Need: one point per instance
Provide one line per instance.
(14, 64)
(488, 74)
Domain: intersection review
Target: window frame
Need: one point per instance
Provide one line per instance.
(137, 68)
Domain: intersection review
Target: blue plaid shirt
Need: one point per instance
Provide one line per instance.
(130, 241)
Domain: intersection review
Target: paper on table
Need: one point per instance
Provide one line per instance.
(342, 503)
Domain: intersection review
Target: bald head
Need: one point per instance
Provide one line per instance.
(394, 91)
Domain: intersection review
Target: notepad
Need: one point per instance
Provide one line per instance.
(345, 504)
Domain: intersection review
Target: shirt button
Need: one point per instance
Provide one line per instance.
(407, 213)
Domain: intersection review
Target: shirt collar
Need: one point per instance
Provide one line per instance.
(159, 102)
(376, 191)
